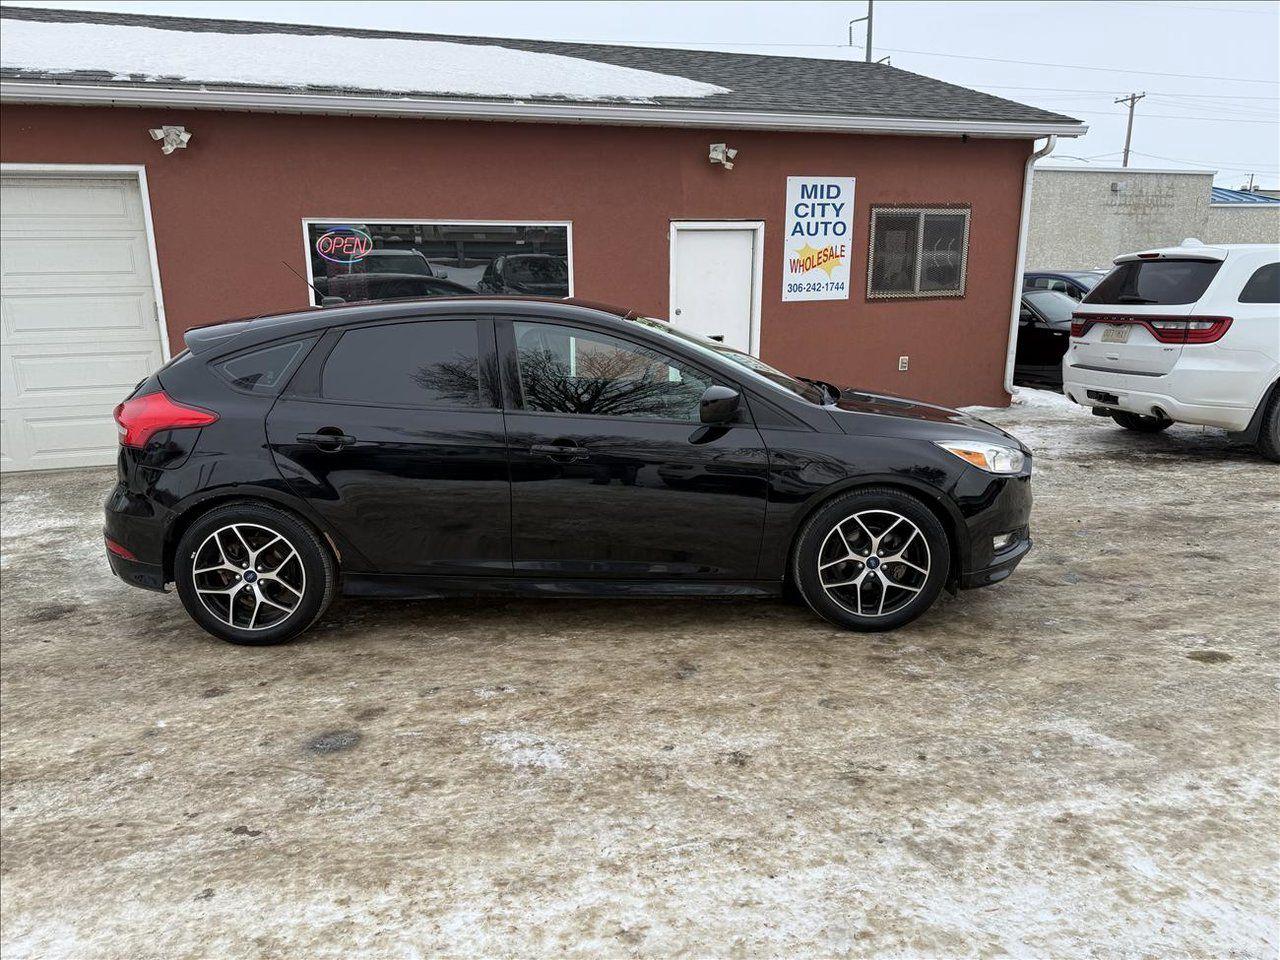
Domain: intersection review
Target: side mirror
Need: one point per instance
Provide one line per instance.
(719, 405)
(331, 301)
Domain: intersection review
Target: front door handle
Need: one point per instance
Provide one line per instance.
(327, 438)
(562, 452)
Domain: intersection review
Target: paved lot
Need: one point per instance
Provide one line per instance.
(1082, 761)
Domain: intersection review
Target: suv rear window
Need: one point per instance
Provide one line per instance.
(1141, 282)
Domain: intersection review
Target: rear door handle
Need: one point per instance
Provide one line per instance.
(558, 451)
(327, 438)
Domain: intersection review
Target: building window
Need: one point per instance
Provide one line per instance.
(918, 252)
(356, 260)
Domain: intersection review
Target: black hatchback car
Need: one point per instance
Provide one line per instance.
(523, 446)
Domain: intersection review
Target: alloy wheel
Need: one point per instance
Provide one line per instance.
(873, 563)
(248, 576)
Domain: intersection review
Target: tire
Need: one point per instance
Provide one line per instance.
(1269, 434)
(833, 550)
(1139, 423)
(292, 583)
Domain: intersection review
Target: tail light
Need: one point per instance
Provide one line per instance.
(1164, 329)
(141, 418)
(121, 551)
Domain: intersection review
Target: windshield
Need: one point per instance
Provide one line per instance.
(396, 263)
(536, 270)
(1087, 280)
(1054, 306)
(803, 389)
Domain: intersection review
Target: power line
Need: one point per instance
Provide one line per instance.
(1209, 163)
(924, 53)
(1076, 66)
(1113, 92)
(1186, 6)
(1174, 116)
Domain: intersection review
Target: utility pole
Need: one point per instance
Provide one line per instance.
(1132, 100)
(870, 13)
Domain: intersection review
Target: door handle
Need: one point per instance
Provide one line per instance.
(327, 438)
(557, 451)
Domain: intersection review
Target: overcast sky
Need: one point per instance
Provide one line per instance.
(1211, 70)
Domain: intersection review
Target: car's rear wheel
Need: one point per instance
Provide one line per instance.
(872, 560)
(1269, 435)
(1136, 421)
(253, 574)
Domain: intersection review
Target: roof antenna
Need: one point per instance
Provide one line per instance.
(324, 301)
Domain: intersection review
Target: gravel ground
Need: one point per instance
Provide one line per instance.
(1081, 761)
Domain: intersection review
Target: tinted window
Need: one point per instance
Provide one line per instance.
(538, 270)
(381, 260)
(1155, 282)
(566, 370)
(265, 370)
(429, 363)
(1263, 286)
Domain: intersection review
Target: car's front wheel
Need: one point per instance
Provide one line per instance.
(250, 573)
(1139, 423)
(872, 560)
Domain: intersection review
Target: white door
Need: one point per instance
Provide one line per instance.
(77, 314)
(715, 285)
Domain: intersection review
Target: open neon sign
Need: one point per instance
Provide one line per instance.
(344, 245)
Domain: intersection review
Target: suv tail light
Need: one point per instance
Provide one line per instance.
(1164, 329)
(141, 418)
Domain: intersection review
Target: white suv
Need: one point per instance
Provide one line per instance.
(1187, 334)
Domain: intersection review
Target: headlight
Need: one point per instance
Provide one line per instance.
(991, 457)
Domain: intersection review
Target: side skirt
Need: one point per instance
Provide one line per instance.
(408, 587)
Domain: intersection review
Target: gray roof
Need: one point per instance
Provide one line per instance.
(754, 83)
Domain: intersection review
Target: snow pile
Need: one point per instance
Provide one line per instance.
(1031, 399)
(361, 63)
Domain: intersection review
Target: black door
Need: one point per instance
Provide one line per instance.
(395, 437)
(612, 473)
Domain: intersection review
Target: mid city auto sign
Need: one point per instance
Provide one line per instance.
(819, 237)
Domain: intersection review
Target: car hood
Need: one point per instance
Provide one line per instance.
(860, 412)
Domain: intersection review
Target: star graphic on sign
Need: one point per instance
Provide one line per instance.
(808, 251)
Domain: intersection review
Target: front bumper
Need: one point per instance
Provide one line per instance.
(1005, 563)
(993, 506)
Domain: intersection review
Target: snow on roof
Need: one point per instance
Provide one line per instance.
(136, 53)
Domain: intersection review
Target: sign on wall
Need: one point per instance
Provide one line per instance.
(818, 243)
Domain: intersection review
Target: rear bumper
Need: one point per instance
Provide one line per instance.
(132, 522)
(1153, 396)
(149, 576)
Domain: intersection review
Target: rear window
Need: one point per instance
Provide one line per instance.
(1164, 282)
(1263, 286)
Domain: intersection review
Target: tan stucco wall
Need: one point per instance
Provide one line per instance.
(1079, 220)
(1235, 224)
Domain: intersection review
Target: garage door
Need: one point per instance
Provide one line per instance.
(79, 316)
